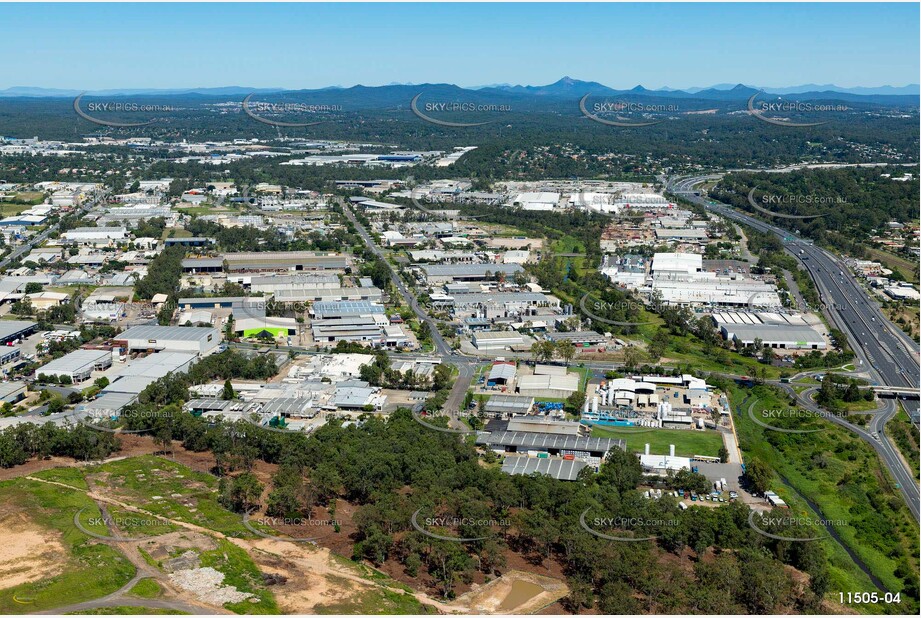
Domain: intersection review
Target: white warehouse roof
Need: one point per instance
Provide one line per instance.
(677, 262)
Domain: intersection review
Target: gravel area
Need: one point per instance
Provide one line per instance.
(205, 584)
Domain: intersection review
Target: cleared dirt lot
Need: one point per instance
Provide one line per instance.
(28, 552)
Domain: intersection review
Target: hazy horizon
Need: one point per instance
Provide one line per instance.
(309, 46)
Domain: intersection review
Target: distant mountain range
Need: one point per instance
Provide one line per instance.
(567, 85)
(564, 89)
(910, 89)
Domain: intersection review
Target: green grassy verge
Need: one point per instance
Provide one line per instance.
(146, 588)
(905, 437)
(689, 351)
(844, 477)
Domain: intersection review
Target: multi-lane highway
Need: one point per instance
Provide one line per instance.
(883, 351)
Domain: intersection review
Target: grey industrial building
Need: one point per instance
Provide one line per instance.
(141, 372)
(199, 407)
(127, 385)
(444, 273)
(509, 300)
(507, 405)
(285, 260)
(290, 407)
(686, 234)
(324, 294)
(496, 340)
(12, 392)
(8, 354)
(77, 365)
(108, 404)
(548, 386)
(203, 265)
(201, 341)
(778, 337)
(581, 339)
(553, 444)
(225, 302)
(268, 284)
(774, 330)
(11, 330)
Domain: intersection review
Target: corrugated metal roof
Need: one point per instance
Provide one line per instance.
(108, 404)
(509, 403)
(9, 328)
(203, 263)
(568, 382)
(174, 333)
(561, 469)
(502, 371)
(533, 440)
(447, 270)
(78, 360)
(476, 298)
(287, 406)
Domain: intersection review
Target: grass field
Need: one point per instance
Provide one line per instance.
(69, 476)
(861, 406)
(844, 477)
(149, 482)
(687, 442)
(175, 232)
(21, 201)
(8, 209)
(208, 210)
(567, 244)
(905, 316)
(690, 351)
(585, 375)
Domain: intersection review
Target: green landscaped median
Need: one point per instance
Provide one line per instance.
(688, 442)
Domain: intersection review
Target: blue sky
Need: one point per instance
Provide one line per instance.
(98, 46)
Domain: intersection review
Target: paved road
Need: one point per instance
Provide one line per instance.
(455, 401)
(882, 350)
(441, 346)
(39, 239)
(466, 366)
